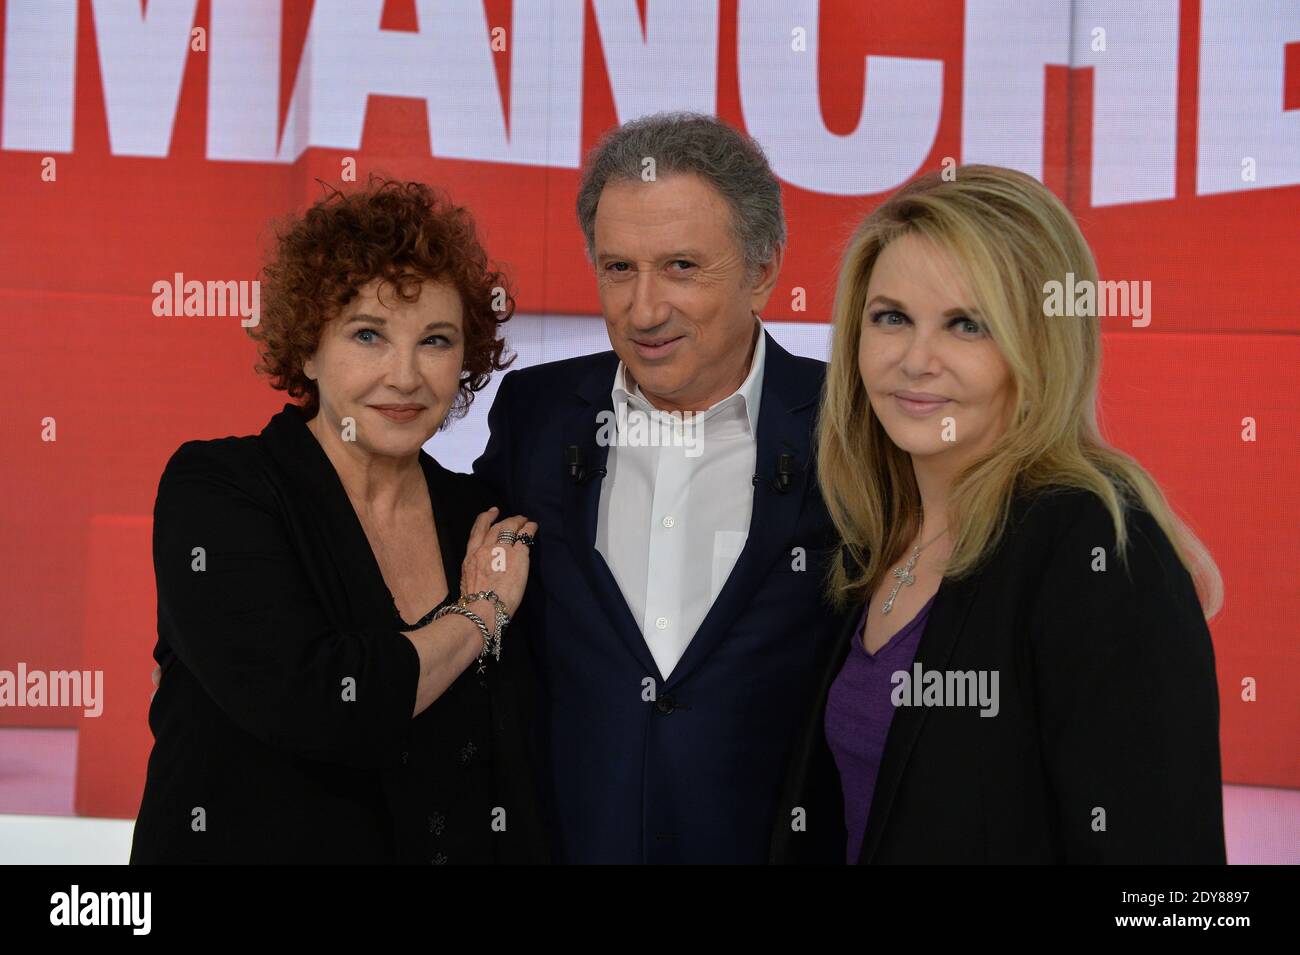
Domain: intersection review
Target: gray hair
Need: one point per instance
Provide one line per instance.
(730, 161)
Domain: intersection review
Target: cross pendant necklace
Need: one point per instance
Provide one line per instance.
(904, 573)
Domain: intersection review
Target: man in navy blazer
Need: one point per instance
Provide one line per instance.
(674, 613)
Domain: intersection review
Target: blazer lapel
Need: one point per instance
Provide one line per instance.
(356, 590)
(812, 778)
(784, 425)
(580, 504)
(453, 518)
(942, 629)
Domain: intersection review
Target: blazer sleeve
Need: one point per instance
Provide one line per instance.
(494, 466)
(241, 617)
(519, 673)
(1127, 696)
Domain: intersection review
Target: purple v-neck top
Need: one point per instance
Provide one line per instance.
(858, 714)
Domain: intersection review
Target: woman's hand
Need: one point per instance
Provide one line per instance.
(500, 567)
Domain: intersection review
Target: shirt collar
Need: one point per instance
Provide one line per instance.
(748, 394)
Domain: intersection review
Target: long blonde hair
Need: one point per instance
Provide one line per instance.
(1012, 236)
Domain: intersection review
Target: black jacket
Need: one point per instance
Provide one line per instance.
(282, 725)
(1108, 713)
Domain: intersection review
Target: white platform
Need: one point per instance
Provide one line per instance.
(64, 840)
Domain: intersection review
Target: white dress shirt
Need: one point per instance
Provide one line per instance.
(680, 505)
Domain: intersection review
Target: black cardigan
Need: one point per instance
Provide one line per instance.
(1109, 713)
(282, 724)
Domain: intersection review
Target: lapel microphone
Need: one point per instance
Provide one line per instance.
(785, 472)
(575, 464)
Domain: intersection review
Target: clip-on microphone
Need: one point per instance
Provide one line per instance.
(785, 472)
(575, 464)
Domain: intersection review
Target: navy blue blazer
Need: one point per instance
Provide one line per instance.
(636, 768)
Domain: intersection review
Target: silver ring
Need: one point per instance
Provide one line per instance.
(506, 537)
(526, 539)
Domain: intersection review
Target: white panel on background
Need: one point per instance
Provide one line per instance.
(1133, 52)
(542, 338)
(1245, 139)
(1007, 44)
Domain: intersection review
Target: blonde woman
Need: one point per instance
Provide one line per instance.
(1025, 674)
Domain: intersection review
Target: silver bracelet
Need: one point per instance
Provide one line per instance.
(502, 616)
(478, 622)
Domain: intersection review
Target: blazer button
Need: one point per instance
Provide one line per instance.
(665, 705)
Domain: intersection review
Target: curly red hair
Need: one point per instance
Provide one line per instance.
(405, 233)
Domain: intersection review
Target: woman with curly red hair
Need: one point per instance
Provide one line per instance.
(332, 601)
